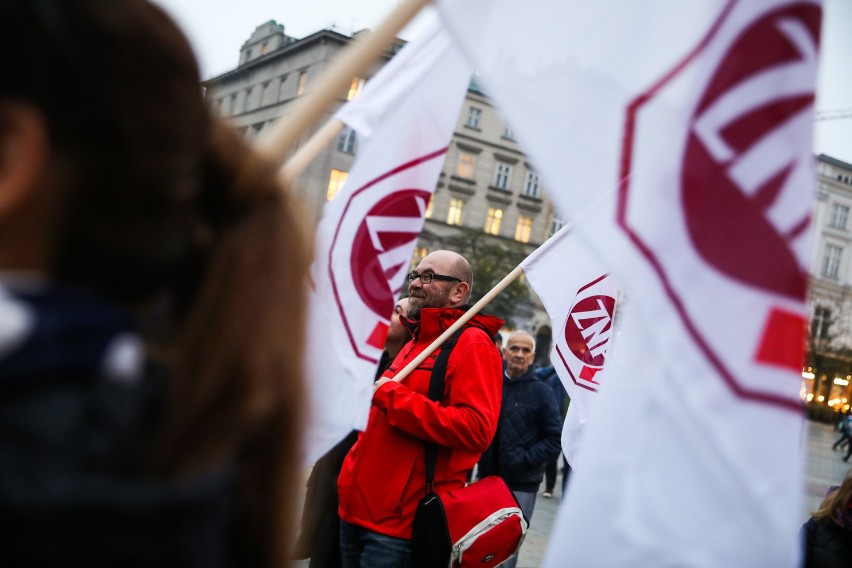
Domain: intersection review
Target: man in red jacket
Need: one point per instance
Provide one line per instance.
(383, 477)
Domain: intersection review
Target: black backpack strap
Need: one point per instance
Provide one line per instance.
(436, 393)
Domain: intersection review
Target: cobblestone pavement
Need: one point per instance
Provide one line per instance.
(823, 468)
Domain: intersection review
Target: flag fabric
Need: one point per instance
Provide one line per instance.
(580, 297)
(366, 238)
(692, 123)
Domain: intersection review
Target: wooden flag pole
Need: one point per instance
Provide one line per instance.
(305, 111)
(310, 150)
(475, 309)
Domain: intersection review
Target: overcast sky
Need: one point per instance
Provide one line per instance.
(218, 28)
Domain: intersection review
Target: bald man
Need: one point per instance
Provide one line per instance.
(384, 477)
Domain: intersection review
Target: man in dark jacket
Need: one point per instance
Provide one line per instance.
(529, 429)
(548, 376)
(320, 536)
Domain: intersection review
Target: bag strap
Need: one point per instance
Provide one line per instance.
(436, 393)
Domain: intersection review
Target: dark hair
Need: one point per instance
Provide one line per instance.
(836, 504)
(157, 202)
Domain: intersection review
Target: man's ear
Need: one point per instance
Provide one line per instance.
(24, 150)
(460, 292)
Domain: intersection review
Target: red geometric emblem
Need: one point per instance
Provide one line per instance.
(381, 248)
(728, 190)
(371, 249)
(588, 332)
(734, 197)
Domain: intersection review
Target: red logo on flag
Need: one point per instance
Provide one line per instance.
(587, 332)
(381, 249)
(736, 165)
(735, 209)
(371, 250)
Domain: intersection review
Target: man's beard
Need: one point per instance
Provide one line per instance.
(414, 306)
(434, 299)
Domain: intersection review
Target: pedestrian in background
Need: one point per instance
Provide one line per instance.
(844, 426)
(548, 376)
(152, 293)
(529, 430)
(827, 535)
(319, 538)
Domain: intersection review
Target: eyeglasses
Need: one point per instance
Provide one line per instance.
(427, 277)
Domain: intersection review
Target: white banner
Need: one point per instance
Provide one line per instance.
(367, 235)
(580, 298)
(693, 123)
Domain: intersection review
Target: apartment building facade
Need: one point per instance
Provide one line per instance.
(830, 298)
(487, 184)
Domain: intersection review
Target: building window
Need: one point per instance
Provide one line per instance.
(555, 225)
(508, 133)
(428, 213)
(831, 261)
(839, 215)
(233, 110)
(531, 185)
(264, 47)
(355, 88)
(466, 165)
(502, 175)
(249, 101)
(335, 183)
(347, 141)
(303, 81)
(523, 229)
(265, 94)
(473, 116)
(419, 254)
(821, 322)
(492, 221)
(454, 217)
(282, 88)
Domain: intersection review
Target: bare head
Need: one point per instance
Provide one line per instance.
(450, 282)
(519, 353)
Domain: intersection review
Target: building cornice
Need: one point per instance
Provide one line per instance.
(834, 161)
(284, 51)
(483, 142)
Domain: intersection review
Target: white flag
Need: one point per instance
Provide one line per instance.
(694, 121)
(367, 235)
(579, 297)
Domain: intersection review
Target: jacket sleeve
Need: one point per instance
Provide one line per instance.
(467, 418)
(807, 537)
(549, 441)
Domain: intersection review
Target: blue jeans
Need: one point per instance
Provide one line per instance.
(362, 548)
